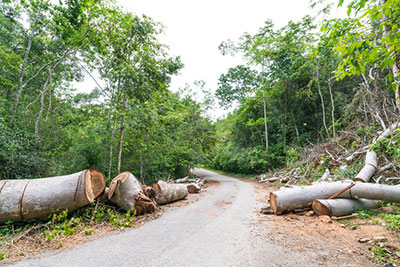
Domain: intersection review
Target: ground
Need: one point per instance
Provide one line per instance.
(221, 226)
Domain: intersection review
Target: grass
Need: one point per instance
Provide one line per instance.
(58, 226)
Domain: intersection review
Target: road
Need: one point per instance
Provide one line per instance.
(220, 229)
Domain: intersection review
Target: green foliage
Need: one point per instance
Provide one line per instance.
(369, 37)
(19, 157)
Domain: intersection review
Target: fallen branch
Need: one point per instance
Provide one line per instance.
(386, 167)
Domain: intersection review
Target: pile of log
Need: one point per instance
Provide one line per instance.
(344, 197)
(38, 198)
(193, 184)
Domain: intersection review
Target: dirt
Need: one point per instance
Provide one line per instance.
(33, 245)
(312, 233)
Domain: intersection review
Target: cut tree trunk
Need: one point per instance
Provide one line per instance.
(301, 197)
(341, 206)
(127, 192)
(166, 193)
(370, 167)
(37, 198)
(193, 188)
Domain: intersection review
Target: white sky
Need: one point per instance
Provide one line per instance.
(194, 30)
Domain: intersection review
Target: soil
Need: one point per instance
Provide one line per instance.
(33, 245)
(308, 232)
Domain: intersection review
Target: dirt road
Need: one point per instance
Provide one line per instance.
(220, 229)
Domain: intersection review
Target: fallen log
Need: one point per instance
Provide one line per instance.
(38, 198)
(166, 193)
(341, 206)
(300, 197)
(193, 188)
(182, 180)
(269, 180)
(356, 154)
(127, 192)
(370, 167)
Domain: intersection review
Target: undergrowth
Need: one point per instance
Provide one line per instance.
(52, 232)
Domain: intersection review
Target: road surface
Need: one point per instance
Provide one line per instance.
(220, 229)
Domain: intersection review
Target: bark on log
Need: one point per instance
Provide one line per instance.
(37, 198)
(341, 206)
(182, 180)
(370, 167)
(300, 197)
(127, 192)
(193, 188)
(166, 193)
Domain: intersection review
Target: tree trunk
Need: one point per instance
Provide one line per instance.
(166, 193)
(333, 109)
(301, 197)
(341, 206)
(127, 192)
(38, 198)
(24, 63)
(265, 122)
(322, 102)
(370, 167)
(121, 136)
(193, 188)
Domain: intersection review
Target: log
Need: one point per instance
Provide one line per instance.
(370, 167)
(182, 180)
(38, 198)
(166, 193)
(300, 197)
(269, 180)
(341, 206)
(127, 192)
(193, 188)
(356, 154)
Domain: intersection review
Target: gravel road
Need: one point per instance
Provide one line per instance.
(220, 229)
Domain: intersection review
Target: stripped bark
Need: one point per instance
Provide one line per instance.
(301, 197)
(166, 193)
(341, 206)
(127, 192)
(38, 198)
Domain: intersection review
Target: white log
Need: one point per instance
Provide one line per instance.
(166, 193)
(370, 167)
(182, 180)
(193, 188)
(300, 197)
(341, 206)
(127, 192)
(38, 198)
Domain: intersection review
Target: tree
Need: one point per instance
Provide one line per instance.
(368, 37)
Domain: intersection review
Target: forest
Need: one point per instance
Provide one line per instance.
(302, 85)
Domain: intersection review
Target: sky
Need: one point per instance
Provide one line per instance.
(195, 29)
